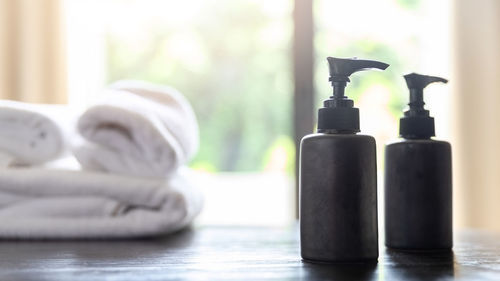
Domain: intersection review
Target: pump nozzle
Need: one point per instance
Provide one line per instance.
(417, 123)
(341, 69)
(416, 83)
(339, 114)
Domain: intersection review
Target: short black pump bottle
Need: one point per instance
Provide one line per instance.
(418, 187)
(338, 178)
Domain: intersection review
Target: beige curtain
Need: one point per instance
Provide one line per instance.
(476, 82)
(32, 53)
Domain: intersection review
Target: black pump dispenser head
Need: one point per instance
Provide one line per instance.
(339, 114)
(416, 123)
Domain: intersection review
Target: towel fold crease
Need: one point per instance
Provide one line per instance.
(138, 129)
(54, 204)
(31, 134)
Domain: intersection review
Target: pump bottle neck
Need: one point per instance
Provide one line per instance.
(338, 114)
(417, 123)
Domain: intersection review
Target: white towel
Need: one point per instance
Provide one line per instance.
(31, 134)
(54, 204)
(138, 129)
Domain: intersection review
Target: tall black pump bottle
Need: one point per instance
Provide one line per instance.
(418, 187)
(338, 178)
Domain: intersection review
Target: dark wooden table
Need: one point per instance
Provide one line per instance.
(232, 253)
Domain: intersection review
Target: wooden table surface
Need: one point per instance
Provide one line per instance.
(235, 253)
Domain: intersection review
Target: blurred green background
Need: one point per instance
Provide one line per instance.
(232, 59)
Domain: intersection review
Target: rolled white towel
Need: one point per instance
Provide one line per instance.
(138, 129)
(54, 204)
(31, 134)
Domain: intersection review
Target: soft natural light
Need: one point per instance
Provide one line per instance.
(246, 159)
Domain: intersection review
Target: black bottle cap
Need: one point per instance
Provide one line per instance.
(339, 114)
(416, 123)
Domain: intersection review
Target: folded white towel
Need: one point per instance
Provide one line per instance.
(52, 204)
(138, 129)
(31, 134)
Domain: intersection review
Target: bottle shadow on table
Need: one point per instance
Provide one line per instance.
(401, 265)
(392, 265)
(346, 272)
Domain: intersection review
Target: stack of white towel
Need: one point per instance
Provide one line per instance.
(131, 147)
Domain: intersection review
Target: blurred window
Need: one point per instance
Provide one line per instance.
(232, 59)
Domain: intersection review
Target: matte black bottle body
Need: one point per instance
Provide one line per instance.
(418, 195)
(338, 198)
